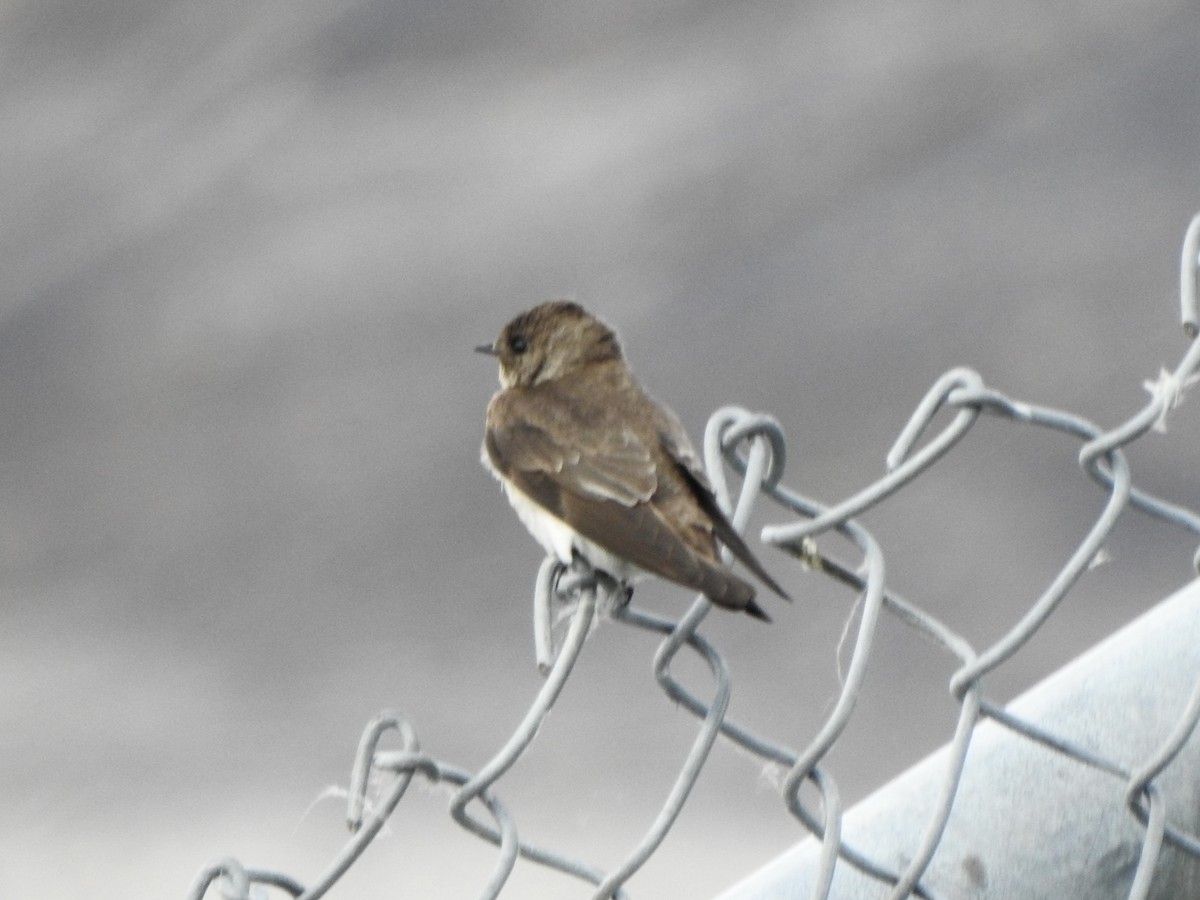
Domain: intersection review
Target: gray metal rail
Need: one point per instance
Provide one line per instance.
(1030, 820)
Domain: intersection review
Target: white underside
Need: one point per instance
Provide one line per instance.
(559, 539)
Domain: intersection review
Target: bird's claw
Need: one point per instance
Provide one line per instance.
(580, 575)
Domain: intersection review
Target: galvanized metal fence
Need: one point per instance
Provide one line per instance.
(905, 859)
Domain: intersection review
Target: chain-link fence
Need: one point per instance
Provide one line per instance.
(753, 446)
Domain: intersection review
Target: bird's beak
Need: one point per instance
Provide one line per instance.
(489, 349)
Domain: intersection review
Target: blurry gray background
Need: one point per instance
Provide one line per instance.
(248, 247)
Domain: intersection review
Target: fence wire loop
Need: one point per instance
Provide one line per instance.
(753, 447)
(236, 882)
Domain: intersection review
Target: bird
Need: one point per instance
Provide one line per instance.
(597, 470)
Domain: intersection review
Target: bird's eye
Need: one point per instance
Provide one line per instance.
(517, 344)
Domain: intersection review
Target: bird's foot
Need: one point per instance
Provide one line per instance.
(568, 585)
(581, 575)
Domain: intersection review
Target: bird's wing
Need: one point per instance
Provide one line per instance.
(675, 441)
(594, 474)
(579, 454)
(599, 478)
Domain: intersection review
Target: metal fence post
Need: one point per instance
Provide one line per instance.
(1030, 821)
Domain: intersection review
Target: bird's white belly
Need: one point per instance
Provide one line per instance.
(559, 539)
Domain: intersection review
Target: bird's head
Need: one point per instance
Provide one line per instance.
(549, 341)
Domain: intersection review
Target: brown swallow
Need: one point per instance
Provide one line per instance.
(595, 467)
